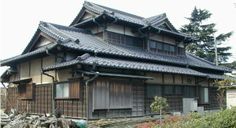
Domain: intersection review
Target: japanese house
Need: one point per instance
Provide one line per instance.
(109, 63)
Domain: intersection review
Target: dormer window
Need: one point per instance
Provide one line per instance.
(160, 47)
(125, 40)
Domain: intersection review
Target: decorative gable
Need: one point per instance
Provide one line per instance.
(86, 15)
(39, 39)
(165, 26)
(42, 41)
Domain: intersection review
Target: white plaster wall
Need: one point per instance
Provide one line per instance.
(231, 98)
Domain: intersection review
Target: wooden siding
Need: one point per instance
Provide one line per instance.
(74, 88)
(121, 30)
(203, 82)
(168, 79)
(138, 99)
(162, 38)
(42, 102)
(157, 78)
(188, 80)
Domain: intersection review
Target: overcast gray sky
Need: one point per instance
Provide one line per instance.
(20, 18)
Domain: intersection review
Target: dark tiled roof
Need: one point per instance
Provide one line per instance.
(79, 39)
(153, 21)
(98, 9)
(35, 52)
(91, 43)
(215, 76)
(158, 20)
(114, 63)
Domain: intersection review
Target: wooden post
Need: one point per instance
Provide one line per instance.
(160, 118)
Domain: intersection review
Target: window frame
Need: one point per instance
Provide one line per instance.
(71, 89)
(162, 47)
(125, 40)
(203, 99)
(152, 88)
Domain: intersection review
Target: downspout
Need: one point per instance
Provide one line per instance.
(87, 93)
(53, 88)
(53, 83)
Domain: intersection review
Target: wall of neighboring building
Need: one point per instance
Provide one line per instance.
(231, 98)
(3, 96)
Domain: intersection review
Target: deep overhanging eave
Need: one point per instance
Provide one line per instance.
(115, 75)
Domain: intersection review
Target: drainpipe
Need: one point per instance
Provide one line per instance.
(87, 93)
(53, 84)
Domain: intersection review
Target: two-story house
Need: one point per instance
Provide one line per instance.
(109, 63)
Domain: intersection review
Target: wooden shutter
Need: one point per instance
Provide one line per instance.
(120, 94)
(29, 91)
(101, 94)
(74, 89)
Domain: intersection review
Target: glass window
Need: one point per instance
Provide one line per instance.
(204, 95)
(62, 90)
(159, 45)
(189, 92)
(169, 90)
(180, 51)
(166, 47)
(152, 44)
(172, 48)
(153, 90)
(116, 38)
(178, 90)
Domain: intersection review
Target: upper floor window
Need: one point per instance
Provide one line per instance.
(116, 38)
(160, 47)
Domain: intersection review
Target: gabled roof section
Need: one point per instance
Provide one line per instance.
(161, 21)
(99, 10)
(42, 32)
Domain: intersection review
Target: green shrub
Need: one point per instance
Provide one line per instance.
(222, 119)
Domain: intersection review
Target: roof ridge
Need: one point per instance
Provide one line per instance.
(65, 37)
(197, 57)
(162, 15)
(113, 10)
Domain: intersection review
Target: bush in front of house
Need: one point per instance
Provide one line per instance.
(222, 119)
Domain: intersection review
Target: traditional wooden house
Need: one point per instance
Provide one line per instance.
(109, 63)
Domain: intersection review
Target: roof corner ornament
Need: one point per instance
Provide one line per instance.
(77, 41)
(83, 57)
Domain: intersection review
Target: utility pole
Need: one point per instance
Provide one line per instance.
(216, 56)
